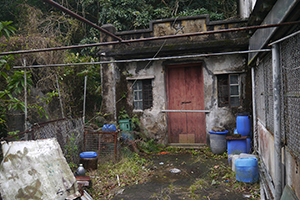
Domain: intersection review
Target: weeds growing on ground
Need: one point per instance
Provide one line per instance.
(110, 177)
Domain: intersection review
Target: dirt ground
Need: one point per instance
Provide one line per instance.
(199, 178)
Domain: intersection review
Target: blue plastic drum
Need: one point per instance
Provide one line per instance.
(247, 169)
(243, 124)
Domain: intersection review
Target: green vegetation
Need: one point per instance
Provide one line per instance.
(71, 152)
(6, 29)
(39, 25)
(217, 177)
(111, 177)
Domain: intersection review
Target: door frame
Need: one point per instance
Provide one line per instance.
(177, 65)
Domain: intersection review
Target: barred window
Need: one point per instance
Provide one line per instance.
(142, 92)
(228, 90)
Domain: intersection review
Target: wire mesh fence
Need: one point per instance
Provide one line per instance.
(269, 102)
(290, 53)
(290, 92)
(68, 132)
(105, 143)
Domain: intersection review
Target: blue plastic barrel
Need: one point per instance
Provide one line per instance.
(109, 127)
(247, 169)
(89, 160)
(249, 148)
(218, 142)
(237, 146)
(243, 124)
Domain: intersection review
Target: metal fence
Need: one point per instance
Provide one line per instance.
(290, 92)
(290, 63)
(105, 143)
(68, 132)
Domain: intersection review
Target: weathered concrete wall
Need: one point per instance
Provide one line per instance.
(290, 164)
(108, 80)
(174, 27)
(155, 121)
(175, 46)
(292, 171)
(266, 148)
(223, 116)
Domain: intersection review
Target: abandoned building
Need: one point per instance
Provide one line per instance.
(180, 98)
(183, 76)
(181, 87)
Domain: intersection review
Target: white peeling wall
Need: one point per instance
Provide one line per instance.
(152, 119)
(156, 122)
(220, 116)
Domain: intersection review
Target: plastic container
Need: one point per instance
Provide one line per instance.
(125, 124)
(247, 169)
(233, 157)
(218, 141)
(243, 124)
(109, 127)
(88, 154)
(89, 160)
(125, 136)
(235, 131)
(237, 146)
(249, 147)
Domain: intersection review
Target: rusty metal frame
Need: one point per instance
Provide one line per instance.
(151, 38)
(115, 133)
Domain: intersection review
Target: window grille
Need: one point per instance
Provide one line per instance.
(229, 90)
(142, 92)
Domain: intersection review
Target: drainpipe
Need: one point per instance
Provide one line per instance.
(277, 119)
(254, 136)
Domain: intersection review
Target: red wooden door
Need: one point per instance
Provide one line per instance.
(185, 92)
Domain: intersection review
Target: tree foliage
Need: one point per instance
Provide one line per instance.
(6, 29)
(124, 14)
(39, 25)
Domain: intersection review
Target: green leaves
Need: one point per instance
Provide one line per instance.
(15, 83)
(6, 29)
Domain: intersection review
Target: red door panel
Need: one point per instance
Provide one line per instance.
(185, 92)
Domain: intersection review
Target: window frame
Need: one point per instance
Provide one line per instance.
(230, 85)
(146, 96)
(137, 89)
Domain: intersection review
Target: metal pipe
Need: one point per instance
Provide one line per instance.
(277, 119)
(188, 111)
(25, 93)
(147, 59)
(254, 136)
(84, 98)
(64, 9)
(151, 38)
(60, 99)
(284, 38)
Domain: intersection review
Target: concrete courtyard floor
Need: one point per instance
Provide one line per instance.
(200, 177)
